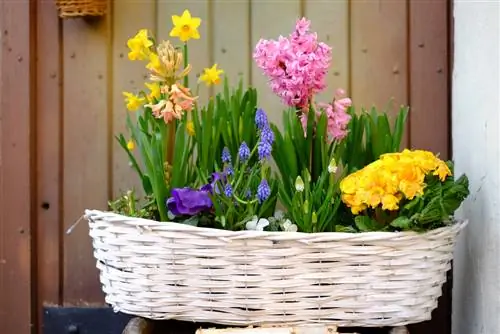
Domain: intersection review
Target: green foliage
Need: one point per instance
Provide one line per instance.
(315, 204)
(225, 122)
(231, 212)
(152, 138)
(129, 205)
(296, 152)
(436, 207)
(370, 135)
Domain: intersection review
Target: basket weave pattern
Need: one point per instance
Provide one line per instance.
(72, 8)
(174, 271)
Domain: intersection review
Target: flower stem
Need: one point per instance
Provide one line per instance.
(170, 143)
(243, 168)
(186, 62)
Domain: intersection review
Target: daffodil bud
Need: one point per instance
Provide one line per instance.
(332, 167)
(299, 184)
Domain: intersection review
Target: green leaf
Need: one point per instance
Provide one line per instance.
(345, 229)
(367, 224)
(192, 221)
(403, 223)
(399, 128)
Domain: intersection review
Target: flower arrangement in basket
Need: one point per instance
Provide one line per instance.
(367, 231)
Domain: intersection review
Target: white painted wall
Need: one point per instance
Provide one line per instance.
(476, 151)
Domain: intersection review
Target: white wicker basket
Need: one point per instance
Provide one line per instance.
(173, 271)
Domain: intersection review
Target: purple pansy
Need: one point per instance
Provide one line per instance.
(188, 201)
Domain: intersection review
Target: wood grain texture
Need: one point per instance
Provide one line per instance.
(265, 24)
(16, 158)
(231, 40)
(429, 76)
(330, 19)
(86, 152)
(199, 49)
(49, 146)
(379, 64)
(128, 76)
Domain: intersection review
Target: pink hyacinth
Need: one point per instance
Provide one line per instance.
(337, 117)
(296, 66)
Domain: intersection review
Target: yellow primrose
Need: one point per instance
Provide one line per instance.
(442, 171)
(139, 45)
(190, 128)
(130, 145)
(185, 26)
(390, 202)
(133, 101)
(211, 76)
(155, 92)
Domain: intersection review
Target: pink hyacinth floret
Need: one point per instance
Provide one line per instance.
(337, 117)
(296, 66)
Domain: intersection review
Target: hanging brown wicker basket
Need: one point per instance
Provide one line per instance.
(77, 8)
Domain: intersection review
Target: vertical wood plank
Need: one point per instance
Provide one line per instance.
(86, 150)
(379, 65)
(331, 21)
(231, 44)
(200, 49)
(270, 19)
(430, 63)
(48, 146)
(429, 73)
(16, 158)
(127, 76)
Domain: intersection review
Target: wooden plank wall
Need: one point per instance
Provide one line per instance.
(16, 157)
(383, 50)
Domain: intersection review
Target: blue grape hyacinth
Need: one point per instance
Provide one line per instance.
(261, 119)
(263, 191)
(226, 156)
(244, 152)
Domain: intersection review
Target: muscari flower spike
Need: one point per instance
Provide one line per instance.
(226, 156)
(244, 152)
(228, 190)
(264, 149)
(263, 191)
(261, 119)
(267, 135)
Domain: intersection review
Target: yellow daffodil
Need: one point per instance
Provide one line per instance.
(155, 91)
(185, 26)
(133, 101)
(156, 66)
(190, 128)
(130, 145)
(139, 46)
(211, 76)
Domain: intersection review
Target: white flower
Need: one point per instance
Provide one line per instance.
(256, 224)
(288, 226)
(279, 215)
(299, 184)
(332, 167)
